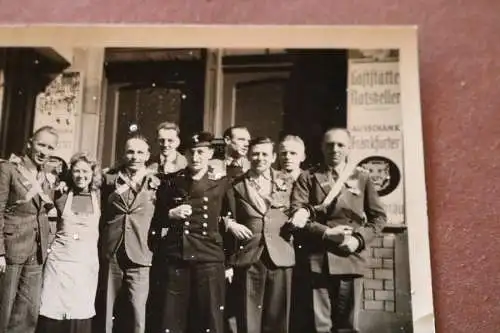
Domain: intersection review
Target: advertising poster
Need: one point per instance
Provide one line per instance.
(374, 120)
(59, 106)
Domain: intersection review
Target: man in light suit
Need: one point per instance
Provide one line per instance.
(26, 194)
(128, 195)
(264, 256)
(338, 232)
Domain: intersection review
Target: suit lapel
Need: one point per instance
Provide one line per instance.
(119, 192)
(241, 188)
(324, 181)
(254, 198)
(37, 200)
(142, 190)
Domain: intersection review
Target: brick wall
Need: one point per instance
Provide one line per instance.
(379, 278)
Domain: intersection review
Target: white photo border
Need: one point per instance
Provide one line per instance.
(404, 38)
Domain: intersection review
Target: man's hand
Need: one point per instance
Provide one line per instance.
(299, 218)
(239, 231)
(229, 273)
(350, 243)
(338, 230)
(3, 264)
(180, 212)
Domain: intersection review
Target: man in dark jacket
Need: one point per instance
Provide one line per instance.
(128, 196)
(340, 212)
(190, 204)
(25, 201)
(264, 256)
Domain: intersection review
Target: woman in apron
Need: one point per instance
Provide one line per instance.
(71, 269)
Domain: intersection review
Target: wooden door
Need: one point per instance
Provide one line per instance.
(141, 95)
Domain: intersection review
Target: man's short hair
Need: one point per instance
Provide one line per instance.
(137, 136)
(294, 138)
(228, 133)
(48, 129)
(167, 125)
(260, 141)
(343, 129)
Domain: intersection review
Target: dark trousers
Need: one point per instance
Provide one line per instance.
(155, 298)
(265, 297)
(48, 325)
(324, 303)
(193, 297)
(231, 307)
(122, 295)
(20, 289)
(336, 302)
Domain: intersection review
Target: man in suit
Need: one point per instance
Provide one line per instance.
(26, 194)
(291, 154)
(190, 204)
(264, 257)
(339, 228)
(236, 162)
(128, 195)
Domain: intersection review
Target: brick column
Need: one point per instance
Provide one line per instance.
(379, 279)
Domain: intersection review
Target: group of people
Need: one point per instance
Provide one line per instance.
(185, 242)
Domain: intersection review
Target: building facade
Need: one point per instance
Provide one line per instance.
(97, 96)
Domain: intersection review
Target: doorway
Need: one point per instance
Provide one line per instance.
(150, 88)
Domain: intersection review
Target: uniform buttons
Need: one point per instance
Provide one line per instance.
(186, 223)
(186, 232)
(76, 236)
(204, 233)
(205, 207)
(205, 216)
(205, 224)
(49, 250)
(153, 233)
(205, 199)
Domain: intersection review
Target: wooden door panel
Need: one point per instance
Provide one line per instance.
(146, 108)
(259, 107)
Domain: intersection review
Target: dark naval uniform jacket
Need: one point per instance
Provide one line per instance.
(198, 237)
(357, 205)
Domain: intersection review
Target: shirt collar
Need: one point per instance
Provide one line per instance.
(338, 168)
(266, 174)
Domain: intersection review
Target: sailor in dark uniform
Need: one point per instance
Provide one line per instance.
(190, 204)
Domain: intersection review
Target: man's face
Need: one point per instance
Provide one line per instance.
(136, 154)
(42, 147)
(335, 147)
(198, 158)
(168, 140)
(291, 154)
(262, 157)
(238, 143)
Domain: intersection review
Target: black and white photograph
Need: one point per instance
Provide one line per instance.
(220, 179)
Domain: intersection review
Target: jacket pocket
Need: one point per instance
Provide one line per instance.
(10, 230)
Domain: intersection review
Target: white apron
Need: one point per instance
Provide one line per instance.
(72, 266)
